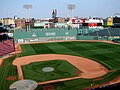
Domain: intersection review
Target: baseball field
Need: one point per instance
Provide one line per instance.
(61, 69)
(104, 53)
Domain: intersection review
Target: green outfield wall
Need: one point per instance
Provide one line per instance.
(86, 37)
(81, 37)
(36, 35)
(52, 34)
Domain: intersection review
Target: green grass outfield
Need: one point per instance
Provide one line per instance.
(62, 69)
(104, 53)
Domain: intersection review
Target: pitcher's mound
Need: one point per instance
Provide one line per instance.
(48, 69)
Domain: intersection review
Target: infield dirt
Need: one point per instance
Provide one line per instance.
(89, 68)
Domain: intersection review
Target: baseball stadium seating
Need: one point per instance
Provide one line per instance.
(6, 45)
(2, 29)
(105, 32)
(6, 42)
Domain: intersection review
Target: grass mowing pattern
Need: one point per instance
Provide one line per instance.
(6, 71)
(62, 69)
(106, 54)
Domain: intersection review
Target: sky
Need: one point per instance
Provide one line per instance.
(43, 8)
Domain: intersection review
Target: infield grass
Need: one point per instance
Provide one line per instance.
(62, 69)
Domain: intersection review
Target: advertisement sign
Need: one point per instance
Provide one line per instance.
(110, 22)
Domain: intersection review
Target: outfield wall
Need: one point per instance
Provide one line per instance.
(38, 35)
(53, 34)
(86, 37)
(80, 37)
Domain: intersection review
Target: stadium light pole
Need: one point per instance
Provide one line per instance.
(27, 7)
(70, 8)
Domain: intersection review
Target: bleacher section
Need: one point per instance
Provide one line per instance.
(83, 31)
(103, 34)
(98, 33)
(106, 32)
(115, 31)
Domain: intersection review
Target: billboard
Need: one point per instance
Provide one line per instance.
(110, 21)
(92, 24)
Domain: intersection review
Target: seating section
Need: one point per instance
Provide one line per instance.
(8, 42)
(2, 29)
(105, 32)
(6, 45)
(3, 37)
(115, 31)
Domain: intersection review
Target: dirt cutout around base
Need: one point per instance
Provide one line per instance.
(89, 68)
(78, 72)
(48, 87)
(10, 78)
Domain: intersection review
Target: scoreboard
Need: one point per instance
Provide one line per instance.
(116, 20)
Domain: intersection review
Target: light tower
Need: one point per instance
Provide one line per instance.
(117, 14)
(27, 21)
(70, 8)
